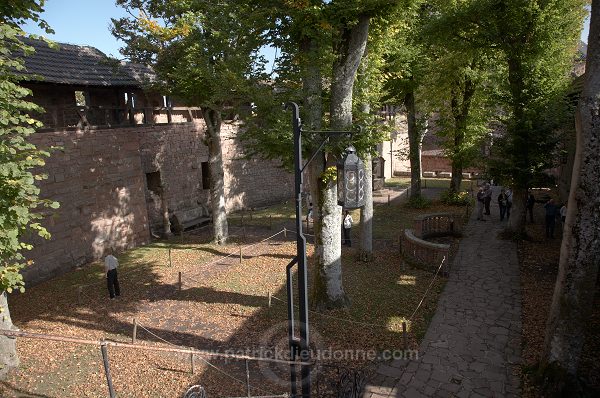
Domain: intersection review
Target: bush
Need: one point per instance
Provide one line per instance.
(418, 202)
(456, 198)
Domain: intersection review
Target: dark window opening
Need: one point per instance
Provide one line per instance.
(153, 182)
(205, 176)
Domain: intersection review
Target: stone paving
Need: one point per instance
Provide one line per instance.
(472, 346)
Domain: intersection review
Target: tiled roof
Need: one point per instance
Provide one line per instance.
(81, 65)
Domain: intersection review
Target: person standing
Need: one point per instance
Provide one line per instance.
(530, 203)
(508, 202)
(488, 198)
(480, 200)
(112, 281)
(563, 216)
(551, 212)
(347, 228)
(502, 204)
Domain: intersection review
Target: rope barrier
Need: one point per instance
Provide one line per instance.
(337, 318)
(206, 361)
(428, 288)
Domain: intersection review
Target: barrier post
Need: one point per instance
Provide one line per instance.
(180, 287)
(170, 262)
(111, 389)
(134, 335)
(269, 299)
(388, 199)
(192, 361)
(284, 232)
(247, 379)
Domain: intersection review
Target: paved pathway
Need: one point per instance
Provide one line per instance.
(472, 346)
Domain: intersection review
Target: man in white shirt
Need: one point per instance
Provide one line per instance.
(347, 228)
(112, 281)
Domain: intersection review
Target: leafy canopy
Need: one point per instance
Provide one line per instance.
(20, 161)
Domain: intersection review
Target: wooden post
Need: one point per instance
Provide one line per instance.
(269, 299)
(388, 199)
(404, 335)
(192, 362)
(134, 335)
(247, 378)
(170, 262)
(104, 351)
(180, 281)
(284, 232)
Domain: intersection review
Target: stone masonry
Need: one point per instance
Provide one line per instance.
(100, 178)
(472, 347)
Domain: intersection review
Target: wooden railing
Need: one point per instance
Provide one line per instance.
(93, 116)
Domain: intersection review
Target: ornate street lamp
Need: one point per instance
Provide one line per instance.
(352, 195)
(351, 180)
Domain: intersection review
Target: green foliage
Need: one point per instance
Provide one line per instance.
(452, 198)
(418, 202)
(204, 52)
(20, 205)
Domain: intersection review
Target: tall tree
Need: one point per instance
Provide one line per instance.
(538, 41)
(20, 205)
(407, 63)
(319, 41)
(463, 77)
(580, 250)
(205, 53)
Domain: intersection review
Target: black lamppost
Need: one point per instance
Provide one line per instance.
(351, 175)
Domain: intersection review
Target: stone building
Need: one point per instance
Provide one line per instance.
(117, 151)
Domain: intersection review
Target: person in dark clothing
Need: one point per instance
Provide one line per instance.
(530, 203)
(347, 224)
(509, 199)
(502, 204)
(551, 211)
(488, 198)
(480, 200)
(112, 280)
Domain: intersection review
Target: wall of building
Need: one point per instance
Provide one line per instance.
(97, 178)
(100, 178)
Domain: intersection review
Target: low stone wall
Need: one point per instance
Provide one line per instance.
(423, 253)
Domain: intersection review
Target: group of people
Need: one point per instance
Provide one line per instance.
(505, 200)
(484, 200)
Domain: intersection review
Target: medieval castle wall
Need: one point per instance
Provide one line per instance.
(101, 176)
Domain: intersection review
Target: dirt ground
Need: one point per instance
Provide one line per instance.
(222, 306)
(539, 257)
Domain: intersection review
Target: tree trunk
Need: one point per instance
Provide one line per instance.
(414, 144)
(366, 215)
(212, 118)
(580, 250)
(164, 208)
(461, 106)
(8, 347)
(518, 212)
(328, 289)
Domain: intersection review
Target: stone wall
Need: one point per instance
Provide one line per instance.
(100, 177)
(440, 163)
(97, 178)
